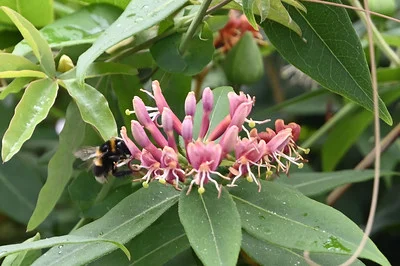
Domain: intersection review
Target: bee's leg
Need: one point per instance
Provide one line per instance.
(122, 173)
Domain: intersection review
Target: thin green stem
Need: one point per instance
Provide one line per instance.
(194, 25)
(217, 6)
(378, 39)
(328, 125)
(140, 47)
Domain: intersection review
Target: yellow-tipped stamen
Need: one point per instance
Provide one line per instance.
(201, 190)
(249, 179)
(162, 181)
(129, 112)
(251, 123)
(145, 184)
(300, 165)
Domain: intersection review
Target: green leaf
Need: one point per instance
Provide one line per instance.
(60, 167)
(138, 16)
(34, 106)
(328, 52)
(164, 239)
(312, 184)
(93, 107)
(273, 10)
(266, 253)
(102, 69)
(39, 46)
(287, 218)
(20, 183)
(23, 257)
(348, 130)
(244, 63)
(119, 3)
(82, 26)
(10, 62)
(59, 241)
(22, 73)
(15, 86)
(212, 225)
(123, 222)
(197, 55)
(248, 11)
(220, 110)
(38, 12)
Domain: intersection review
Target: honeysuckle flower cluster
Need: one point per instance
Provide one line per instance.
(197, 160)
(234, 29)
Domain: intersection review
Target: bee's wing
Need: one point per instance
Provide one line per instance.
(86, 153)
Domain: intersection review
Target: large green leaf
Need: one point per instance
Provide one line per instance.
(10, 62)
(273, 10)
(93, 107)
(120, 3)
(348, 130)
(220, 110)
(15, 86)
(22, 258)
(82, 26)
(30, 111)
(19, 185)
(329, 52)
(164, 239)
(58, 241)
(123, 222)
(197, 55)
(22, 74)
(312, 184)
(60, 167)
(287, 218)
(102, 69)
(138, 16)
(266, 253)
(38, 12)
(212, 225)
(39, 46)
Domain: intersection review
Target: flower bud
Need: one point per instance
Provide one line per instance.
(187, 129)
(133, 149)
(208, 100)
(190, 104)
(229, 139)
(141, 138)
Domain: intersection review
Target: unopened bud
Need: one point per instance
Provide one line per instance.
(190, 104)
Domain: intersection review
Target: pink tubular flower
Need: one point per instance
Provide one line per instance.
(170, 165)
(199, 160)
(152, 166)
(248, 152)
(205, 158)
(208, 102)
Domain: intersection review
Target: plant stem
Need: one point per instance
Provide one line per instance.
(379, 41)
(328, 125)
(217, 6)
(194, 25)
(365, 163)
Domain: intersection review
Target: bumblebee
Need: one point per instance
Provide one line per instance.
(107, 158)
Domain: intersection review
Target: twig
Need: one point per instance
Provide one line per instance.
(375, 189)
(193, 26)
(217, 6)
(365, 163)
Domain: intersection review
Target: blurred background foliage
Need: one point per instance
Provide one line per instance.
(281, 90)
